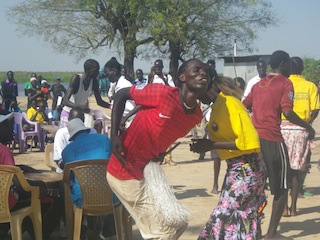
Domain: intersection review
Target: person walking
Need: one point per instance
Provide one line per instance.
(269, 98)
(306, 106)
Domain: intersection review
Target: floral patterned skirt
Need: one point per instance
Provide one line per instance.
(297, 143)
(236, 215)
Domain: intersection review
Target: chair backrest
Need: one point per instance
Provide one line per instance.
(22, 135)
(6, 175)
(96, 192)
(98, 114)
(48, 160)
(19, 118)
(5, 183)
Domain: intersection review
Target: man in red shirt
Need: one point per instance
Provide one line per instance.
(269, 98)
(166, 114)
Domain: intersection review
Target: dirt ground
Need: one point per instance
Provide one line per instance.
(192, 181)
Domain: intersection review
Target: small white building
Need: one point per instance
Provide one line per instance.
(244, 66)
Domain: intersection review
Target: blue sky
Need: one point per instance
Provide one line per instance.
(297, 33)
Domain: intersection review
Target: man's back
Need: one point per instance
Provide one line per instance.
(87, 146)
(269, 98)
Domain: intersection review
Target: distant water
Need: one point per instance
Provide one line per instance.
(21, 87)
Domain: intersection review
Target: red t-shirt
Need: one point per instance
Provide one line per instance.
(269, 98)
(159, 123)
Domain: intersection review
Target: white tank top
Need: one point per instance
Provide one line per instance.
(81, 97)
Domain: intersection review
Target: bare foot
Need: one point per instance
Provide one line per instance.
(285, 213)
(215, 190)
(293, 213)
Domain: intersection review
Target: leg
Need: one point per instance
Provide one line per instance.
(140, 206)
(277, 209)
(303, 175)
(286, 208)
(216, 171)
(294, 193)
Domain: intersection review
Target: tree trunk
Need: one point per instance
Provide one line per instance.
(174, 62)
(130, 48)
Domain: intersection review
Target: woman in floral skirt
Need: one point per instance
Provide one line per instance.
(232, 133)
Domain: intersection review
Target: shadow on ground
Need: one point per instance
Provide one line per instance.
(307, 227)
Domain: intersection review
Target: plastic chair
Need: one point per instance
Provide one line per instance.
(100, 115)
(21, 136)
(48, 160)
(96, 196)
(15, 218)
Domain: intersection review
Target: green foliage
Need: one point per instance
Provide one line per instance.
(23, 77)
(178, 28)
(311, 69)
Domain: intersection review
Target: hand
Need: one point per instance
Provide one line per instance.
(311, 132)
(160, 158)
(117, 149)
(201, 145)
(85, 108)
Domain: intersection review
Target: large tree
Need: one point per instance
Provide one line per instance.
(207, 28)
(82, 26)
(178, 28)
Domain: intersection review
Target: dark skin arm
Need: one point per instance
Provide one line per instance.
(100, 102)
(125, 118)
(314, 115)
(294, 118)
(33, 118)
(204, 145)
(31, 98)
(72, 89)
(118, 108)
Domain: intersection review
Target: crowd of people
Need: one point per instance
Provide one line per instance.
(263, 131)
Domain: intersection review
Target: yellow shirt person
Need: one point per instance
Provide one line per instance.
(306, 97)
(231, 122)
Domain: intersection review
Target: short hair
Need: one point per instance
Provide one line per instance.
(211, 62)
(76, 113)
(297, 65)
(113, 63)
(159, 63)
(262, 62)
(90, 64)
(277, 58)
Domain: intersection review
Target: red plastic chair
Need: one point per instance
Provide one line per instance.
(21, 136)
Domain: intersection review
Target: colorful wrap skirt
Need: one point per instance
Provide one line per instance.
(236, 215)
(297, 143)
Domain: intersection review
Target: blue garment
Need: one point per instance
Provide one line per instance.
(85, 147)
(143, 80)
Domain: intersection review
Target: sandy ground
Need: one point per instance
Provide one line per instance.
(192, 181)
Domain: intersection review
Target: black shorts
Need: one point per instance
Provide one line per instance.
(275, 156)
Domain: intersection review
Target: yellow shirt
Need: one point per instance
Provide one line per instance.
(39, 118)
(232, 123)
(306, 97)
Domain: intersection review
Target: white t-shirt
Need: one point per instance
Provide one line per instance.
(250, 84)
(61, 140)
(157, 79)
(124, 83)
